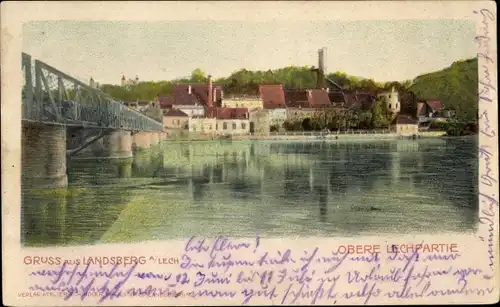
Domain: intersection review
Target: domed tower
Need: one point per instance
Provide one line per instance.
(123, 80)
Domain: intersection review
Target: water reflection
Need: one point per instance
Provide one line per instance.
(274, 188)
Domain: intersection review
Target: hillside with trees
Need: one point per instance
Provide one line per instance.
(455, 86)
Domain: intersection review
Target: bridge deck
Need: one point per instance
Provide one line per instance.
(52, 97)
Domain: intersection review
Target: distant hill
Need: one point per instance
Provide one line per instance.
(455, 86)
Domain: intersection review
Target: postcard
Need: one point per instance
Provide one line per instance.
(249, 153)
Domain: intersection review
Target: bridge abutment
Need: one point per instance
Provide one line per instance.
(44, 156)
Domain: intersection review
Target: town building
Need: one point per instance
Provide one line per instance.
(125, 81)
(230, 121)
(193, 99)
(175, 119)
(337, 98)
(205, 110)
(203, 125)
(207, 94)
(260, 123)
(243, 101)
(404, 125)
(222, 121)
(306, 103)
(184, 99)
(273, 101)
(430, 108)
(392, 99)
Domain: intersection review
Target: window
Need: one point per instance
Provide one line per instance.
(210, 126)
(234, 126)
(390, 106)
(224, 126)
(243, 126)
(217, 126)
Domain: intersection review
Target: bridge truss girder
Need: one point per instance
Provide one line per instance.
(52, 97)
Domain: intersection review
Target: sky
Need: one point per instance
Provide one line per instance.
(164, 50)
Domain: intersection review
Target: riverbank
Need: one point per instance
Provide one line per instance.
(310, 136)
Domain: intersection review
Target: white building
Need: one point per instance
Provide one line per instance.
(202, 125)
(196, 110)
(125, 82)
(392, 98)
(219, 126)
(233, 126)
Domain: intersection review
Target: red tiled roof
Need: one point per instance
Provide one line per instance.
(295, 98)
(366, 99)
(185, 99)
(227, 113)
(358, 98)
(404, 120)
(336, 97)
(166, 101)
(435, 105)
(199, 90)
(178, 98)
(272, 96)
(319, 99)
(175, 112)
(350, 100)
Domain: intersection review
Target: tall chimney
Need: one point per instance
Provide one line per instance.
(322, 59)
(189, 89)
(210, 98)
(214, 96)
(321, 67)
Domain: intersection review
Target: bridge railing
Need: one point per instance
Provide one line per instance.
(53, 97)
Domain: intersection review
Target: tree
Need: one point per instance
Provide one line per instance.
(381, 114)
(365, 120)
(198, 76)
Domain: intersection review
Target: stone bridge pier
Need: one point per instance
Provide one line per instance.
(115, 144)
(43, 156)
(118, 144)
(144, 140)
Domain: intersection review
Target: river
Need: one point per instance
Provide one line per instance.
(271, 188)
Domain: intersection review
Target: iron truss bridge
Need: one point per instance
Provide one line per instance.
(52, 97)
